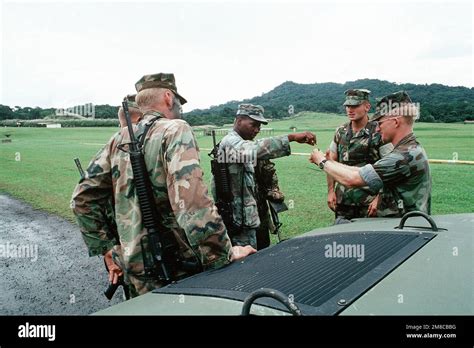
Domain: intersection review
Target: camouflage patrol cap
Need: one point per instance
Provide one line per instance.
(159, 80)
(130, 98)
(395, 104)
(356, 96)
(255, 112)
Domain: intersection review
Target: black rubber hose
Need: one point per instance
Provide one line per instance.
(417, 213)
(275, 294)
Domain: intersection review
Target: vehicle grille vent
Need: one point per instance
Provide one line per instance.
(323, 273)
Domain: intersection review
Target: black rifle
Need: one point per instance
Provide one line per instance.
(112, 288)
(222, 182)
(163, 258)
(79, 167)
(112, 234)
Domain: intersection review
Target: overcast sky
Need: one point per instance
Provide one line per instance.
(61, 54)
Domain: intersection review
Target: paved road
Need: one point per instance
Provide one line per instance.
(44, 266)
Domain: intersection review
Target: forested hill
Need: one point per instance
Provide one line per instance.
(438, 103)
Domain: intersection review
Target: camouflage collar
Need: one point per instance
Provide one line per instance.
(234, 133)
(361, 132)
(150, 114)
(410, 138)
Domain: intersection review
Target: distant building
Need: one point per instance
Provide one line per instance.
(49, 125)
(204, 129)
(53, 125)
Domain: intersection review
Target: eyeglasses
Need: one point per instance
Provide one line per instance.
(387, 119)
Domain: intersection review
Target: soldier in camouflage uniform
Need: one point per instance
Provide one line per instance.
(404, 173)
(185, 209)
(355, 143)
(242, 154)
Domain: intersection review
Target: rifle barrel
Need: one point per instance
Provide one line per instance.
(213, 138)
(133, 140)
(79, 167)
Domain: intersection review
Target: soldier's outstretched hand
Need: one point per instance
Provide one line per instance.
(241, 252)
(303, 138)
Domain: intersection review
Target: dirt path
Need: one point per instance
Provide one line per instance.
(44, 265)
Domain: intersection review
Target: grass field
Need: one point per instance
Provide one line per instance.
(37, 167)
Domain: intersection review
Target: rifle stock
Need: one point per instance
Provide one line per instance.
(223, 186)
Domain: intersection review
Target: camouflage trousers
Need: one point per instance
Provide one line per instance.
(350, 212)
(248, 236)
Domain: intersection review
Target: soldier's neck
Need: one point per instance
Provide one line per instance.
(401, 134)
(239, 133)
(359, 124)
(163, 112)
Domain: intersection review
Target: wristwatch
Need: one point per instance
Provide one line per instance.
(322, 163)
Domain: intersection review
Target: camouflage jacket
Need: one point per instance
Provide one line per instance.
(357, 149)
(188, 213)
(241, 156)
(404, 175)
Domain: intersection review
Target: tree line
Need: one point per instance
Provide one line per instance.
(438, 103)
(28, 113)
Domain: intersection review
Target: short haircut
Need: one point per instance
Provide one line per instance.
(409, 111)
(148, 97)
(121, 115)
